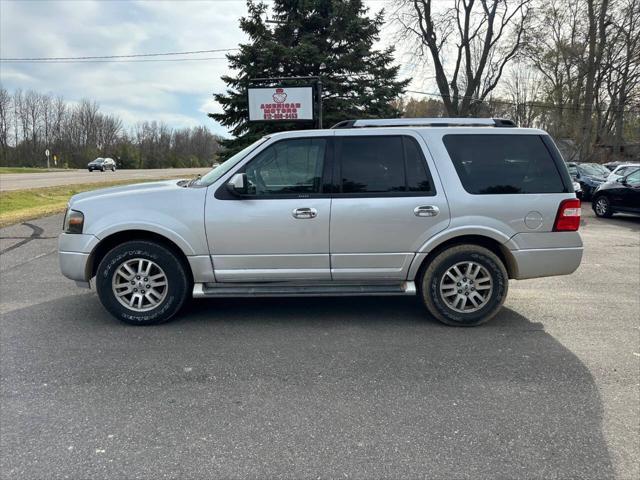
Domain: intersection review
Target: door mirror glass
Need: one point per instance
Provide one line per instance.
(238, 184)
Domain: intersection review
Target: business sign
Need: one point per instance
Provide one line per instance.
(280, 104)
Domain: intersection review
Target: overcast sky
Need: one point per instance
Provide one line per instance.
(177, 93)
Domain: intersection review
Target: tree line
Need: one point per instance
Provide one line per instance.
(32, 122)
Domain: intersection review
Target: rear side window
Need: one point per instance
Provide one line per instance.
(382, 165)
(503, 164)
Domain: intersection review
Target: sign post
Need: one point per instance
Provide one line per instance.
(47, 153)
(281, 103)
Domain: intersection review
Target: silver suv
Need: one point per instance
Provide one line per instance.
(447, 209)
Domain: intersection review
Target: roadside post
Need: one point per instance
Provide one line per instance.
(47, 153)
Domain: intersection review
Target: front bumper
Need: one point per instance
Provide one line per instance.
(74, 252)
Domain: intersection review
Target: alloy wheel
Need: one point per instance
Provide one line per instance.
(466, 287)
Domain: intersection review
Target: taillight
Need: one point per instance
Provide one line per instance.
(568, 217)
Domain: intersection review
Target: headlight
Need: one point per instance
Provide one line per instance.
(73, 221)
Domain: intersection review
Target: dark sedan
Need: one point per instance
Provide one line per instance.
(618, 196)
(589, 176)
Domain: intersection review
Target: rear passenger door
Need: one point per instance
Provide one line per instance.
(388, 202)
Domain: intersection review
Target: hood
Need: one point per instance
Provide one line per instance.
(124, 190)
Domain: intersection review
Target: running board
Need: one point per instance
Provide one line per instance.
(209, 290)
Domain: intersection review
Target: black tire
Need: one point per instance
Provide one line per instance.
(102, 169)
(113, 169)
(432, 277)
(602, 207)
(178, 282)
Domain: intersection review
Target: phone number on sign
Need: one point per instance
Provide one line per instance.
(280, 116)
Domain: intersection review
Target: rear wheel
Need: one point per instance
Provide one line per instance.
(142, 283)
(465, 285)
(602, 207)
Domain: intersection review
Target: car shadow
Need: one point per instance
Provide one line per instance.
(363, 387)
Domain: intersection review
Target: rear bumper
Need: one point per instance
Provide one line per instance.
(544, 254)
(546, 262)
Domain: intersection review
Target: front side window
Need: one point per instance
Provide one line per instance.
(633, 179)
(288, 167)
(382, 165)
(503, 164)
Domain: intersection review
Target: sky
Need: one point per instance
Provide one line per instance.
(176, 93)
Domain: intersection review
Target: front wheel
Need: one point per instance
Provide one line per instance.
(465, 285)
(142, 283)
(602, 207)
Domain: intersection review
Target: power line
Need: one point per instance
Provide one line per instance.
(116, 60)
(101, 57)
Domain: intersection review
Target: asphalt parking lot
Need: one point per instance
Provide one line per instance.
(323, 388)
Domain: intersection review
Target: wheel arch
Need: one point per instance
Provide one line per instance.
(423, 259)
(113, 240)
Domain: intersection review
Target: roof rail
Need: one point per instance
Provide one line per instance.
(426, 122)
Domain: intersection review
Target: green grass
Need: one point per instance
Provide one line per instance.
(20, 205)
(28, 170)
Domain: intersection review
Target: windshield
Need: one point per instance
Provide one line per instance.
(573, 170)
(98, 160)
(218, 172)
(594, 169)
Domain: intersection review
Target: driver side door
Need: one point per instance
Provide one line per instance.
(279, 230)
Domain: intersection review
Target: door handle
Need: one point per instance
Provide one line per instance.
(304, 213)
(426, 211)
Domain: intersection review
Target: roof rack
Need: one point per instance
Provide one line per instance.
(426, 122)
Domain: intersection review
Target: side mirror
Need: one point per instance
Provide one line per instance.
(620, 180)
(238, 184)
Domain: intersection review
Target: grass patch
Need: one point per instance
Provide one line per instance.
(29, 170)
(20, 205)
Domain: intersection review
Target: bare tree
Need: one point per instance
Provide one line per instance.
(469, 45)
(5, 122)
(523, 90)
(597, 15)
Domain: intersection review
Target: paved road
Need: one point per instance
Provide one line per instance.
(323, 388)
(21, 181)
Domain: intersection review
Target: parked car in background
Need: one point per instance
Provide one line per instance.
(589, 176)
(622, 170)
(621, 195)
(611, 166)
(102, 164)
(365, 208)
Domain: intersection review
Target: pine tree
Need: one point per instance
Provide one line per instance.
(332, 39)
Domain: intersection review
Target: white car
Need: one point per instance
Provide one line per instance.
(622, 170)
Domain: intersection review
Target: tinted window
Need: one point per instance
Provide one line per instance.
(288, 167)
(372, 165)
(503, 164)
(417, 178)
(384, 164)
